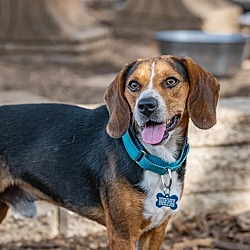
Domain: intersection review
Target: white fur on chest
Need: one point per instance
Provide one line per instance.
(152, 184)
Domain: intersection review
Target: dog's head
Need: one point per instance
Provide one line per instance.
(157, 94)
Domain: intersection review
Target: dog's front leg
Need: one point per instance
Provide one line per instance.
(123, 206)
(152, 240)
(120, 236)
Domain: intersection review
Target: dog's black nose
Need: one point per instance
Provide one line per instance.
(147, 106)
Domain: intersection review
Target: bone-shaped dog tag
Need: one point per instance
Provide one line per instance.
(165, 200)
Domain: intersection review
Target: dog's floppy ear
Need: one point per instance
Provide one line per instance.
(203, 95)
(119, 111)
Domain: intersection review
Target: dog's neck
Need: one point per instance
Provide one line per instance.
(168, 151)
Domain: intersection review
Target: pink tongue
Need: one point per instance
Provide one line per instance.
(153, 133)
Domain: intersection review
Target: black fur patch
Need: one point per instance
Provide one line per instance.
(181, 172)
(180, 67)
(64, 151)
(131, 68)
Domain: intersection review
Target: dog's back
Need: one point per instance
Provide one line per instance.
(50, 146)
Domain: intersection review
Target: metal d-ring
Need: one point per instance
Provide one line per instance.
(143, 154)
(167, 187)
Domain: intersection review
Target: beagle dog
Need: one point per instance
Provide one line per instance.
(87, 161)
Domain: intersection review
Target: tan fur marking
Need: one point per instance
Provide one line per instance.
(121, 201)
(152, 239)
(176, 97)
(5, 177)
(142, 75)
(93, 213)
(3, 211)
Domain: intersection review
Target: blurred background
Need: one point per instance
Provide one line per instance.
(71, 50)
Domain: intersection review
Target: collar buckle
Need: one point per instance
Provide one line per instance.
(144, 153)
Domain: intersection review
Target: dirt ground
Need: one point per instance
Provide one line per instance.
(218, 231)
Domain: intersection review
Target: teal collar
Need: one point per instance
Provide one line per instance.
(150, 162)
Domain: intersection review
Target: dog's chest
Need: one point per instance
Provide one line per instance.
(152, 184)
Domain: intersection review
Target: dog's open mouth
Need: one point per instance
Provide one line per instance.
(154, 133)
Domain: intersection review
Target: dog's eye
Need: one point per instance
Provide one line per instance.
(170, 82)
(134, 86)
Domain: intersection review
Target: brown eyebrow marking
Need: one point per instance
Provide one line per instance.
(180, 67)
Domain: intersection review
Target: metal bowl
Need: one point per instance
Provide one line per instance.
(220, 54)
